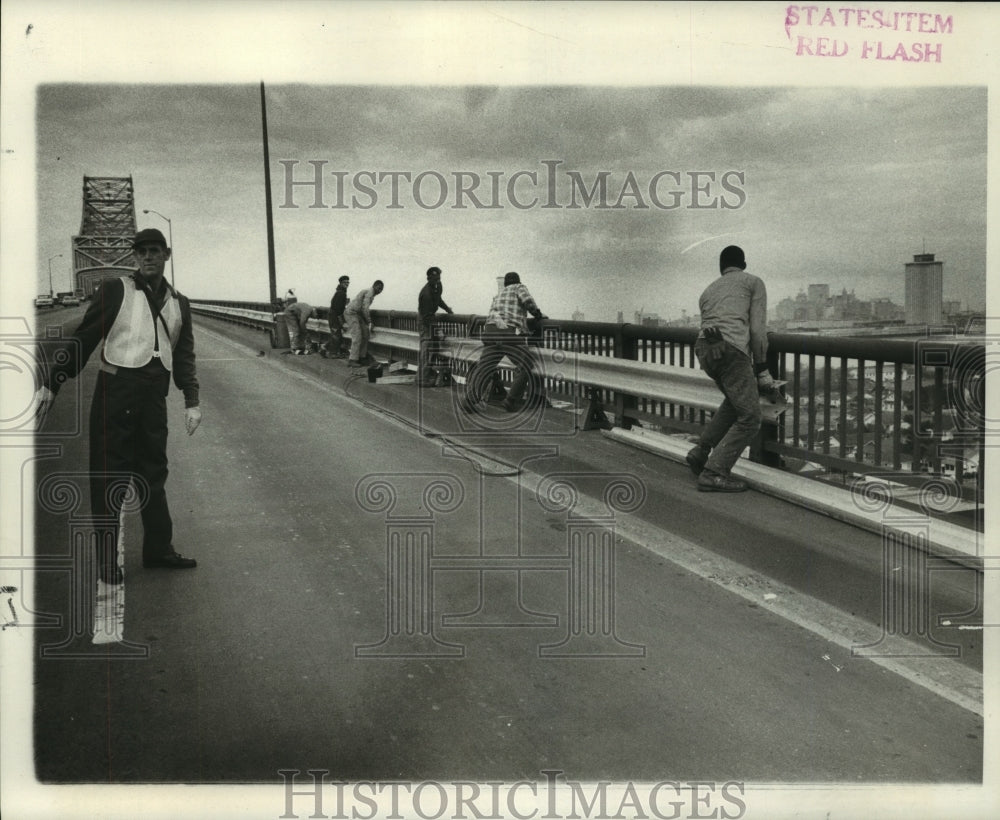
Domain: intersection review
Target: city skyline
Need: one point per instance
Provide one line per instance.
(806, 293)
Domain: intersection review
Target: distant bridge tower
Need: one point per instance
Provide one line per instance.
(104, 247)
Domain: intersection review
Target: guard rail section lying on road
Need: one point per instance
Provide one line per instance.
(902, 409)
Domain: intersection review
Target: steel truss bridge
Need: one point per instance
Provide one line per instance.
(103, 248)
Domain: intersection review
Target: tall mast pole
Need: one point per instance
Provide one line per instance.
(267, 200)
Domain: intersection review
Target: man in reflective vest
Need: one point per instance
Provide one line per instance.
(145, 326)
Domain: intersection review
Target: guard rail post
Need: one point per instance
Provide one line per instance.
(768, 432)
(624, 348)
(280, 340)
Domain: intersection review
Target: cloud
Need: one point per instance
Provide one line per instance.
(841, 185)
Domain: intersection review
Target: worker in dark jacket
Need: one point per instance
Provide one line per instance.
(428, 303)
(145, 326)
(334, 348)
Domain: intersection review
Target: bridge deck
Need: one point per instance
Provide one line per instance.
(716, 642)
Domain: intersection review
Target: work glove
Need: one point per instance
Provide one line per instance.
(766, 387)
(44, 399)
(192, 418)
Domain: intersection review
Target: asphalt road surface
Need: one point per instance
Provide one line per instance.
(385, 596)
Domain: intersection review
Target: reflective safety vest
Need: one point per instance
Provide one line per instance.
(135, 337)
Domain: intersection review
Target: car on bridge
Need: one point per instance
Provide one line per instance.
(43, 300)
(69, 300)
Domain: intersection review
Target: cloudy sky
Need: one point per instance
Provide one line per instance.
(825, 171)
(834, 185)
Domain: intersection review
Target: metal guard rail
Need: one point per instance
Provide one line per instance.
(665, 383)
(908, 409)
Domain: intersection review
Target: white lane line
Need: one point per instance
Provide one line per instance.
(944, 676)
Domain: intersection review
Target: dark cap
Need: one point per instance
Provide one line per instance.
(344, 279)
(149, 236)
(435, 271)
(732, 257)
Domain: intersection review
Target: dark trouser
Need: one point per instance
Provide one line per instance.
(128, 438)
(498, 343)
(738, 418)
(428, 347)
(336, 343)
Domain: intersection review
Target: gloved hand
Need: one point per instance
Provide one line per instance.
(43, 403)
(192, 418)
(766, 387)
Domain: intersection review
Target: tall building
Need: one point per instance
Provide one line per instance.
(819, 293)
(924, 288)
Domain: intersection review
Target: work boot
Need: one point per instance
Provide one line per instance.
(711, 483)
(111, 575)
(169, 560)
(696, 458)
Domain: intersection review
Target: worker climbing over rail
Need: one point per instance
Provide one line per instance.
(732, 349)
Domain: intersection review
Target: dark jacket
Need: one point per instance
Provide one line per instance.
(339, 301)
(430, 300)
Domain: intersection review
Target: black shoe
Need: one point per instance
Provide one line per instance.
(112, 578)
(172, 560)
(720, 484)
(696, 459)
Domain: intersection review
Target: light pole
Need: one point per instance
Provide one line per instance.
(56, 256)
(170, 238)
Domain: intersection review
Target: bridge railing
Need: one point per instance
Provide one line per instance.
(892, 407)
